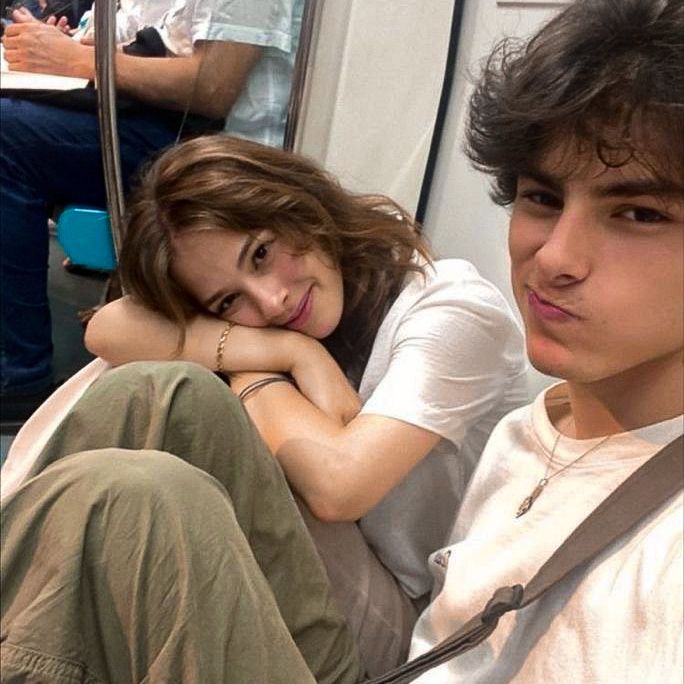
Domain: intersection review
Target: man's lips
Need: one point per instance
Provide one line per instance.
(546, 309)
(301, 313)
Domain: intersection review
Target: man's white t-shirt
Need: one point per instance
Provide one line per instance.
(617, 621)
(448, 357)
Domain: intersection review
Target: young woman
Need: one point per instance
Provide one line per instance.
(373, 374)
(255, 262)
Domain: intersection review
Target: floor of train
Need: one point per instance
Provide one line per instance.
(69, 293)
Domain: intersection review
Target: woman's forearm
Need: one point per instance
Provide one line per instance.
(125, 331)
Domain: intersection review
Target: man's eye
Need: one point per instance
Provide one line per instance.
(643, 215)
(542, 198)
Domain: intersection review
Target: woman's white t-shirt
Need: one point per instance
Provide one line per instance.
(448, 357)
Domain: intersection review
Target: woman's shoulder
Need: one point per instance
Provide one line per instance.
(457, 283)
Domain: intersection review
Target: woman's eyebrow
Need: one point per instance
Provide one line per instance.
(244, 249)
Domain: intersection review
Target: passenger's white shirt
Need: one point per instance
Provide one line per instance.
(617, 621)
(448, 357)
(261, 110)
(131, 16)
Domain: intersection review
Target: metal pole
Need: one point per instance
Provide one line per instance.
(299, 74)
(105, 80)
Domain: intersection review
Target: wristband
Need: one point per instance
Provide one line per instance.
(262, 383)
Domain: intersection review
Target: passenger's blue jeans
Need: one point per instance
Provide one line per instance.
(48, 156)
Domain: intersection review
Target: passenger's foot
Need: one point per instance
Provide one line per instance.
(84, 271)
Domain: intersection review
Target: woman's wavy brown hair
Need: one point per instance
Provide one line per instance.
(223, 183)
(607, 73)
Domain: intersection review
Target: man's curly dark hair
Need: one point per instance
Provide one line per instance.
(608, 73)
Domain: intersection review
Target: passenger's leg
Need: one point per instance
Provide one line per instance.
(122, 566)
(48, 156)
(380, 614)
(184, 409)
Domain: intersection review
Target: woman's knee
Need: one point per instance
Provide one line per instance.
(180, 378)
(125, 476)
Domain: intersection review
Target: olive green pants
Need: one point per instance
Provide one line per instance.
(157, 541)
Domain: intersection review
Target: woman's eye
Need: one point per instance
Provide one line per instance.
(643, 215)
(226, 304)
(260, 253)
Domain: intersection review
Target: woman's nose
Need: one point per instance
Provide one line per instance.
(272, 300)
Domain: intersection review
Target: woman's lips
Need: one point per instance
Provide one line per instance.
(301, 315)
(546, 310)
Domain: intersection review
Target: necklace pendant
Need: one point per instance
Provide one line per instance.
(529, 500)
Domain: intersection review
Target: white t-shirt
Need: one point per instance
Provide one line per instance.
(448, 357)
(274, 25)
(617, 621)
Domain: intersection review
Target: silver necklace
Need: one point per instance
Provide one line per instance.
(535, 493)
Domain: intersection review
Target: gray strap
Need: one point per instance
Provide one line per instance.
(656, 481)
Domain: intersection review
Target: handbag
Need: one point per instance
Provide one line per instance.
(640, 494)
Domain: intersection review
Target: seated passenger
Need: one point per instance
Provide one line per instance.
(131, 17)
(230, 63)
(583, 132)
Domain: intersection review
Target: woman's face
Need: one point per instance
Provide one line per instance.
(258, 280)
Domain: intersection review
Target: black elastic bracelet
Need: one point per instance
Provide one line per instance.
(262, 383)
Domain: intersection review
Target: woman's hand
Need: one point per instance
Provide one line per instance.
(124, 331)
(316, 376)
(322, 382)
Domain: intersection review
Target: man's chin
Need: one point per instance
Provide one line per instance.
(551, 360)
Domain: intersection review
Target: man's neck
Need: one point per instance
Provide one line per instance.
(639, 397)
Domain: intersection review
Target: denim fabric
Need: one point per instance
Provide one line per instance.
(48, 156)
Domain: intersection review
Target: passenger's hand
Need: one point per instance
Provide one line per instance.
(323, 383)
(88, 38)
(22, 16)
(42, 48)
(62, 24)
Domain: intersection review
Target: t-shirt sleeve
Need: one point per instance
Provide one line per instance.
(267, 23)
(452, 356)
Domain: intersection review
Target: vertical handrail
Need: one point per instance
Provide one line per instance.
(105, 80)
(299, 74)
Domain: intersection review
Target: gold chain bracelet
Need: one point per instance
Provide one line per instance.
(221, 344)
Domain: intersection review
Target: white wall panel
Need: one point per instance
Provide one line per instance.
(460, 219)
(373, 88)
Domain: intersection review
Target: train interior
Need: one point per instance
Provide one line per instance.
(396, 130)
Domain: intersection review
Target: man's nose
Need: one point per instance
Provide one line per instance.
(565, 257)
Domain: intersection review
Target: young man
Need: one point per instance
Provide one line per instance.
(583, 131)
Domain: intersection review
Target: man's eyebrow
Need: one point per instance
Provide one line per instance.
(641, 186)
(541, 177)
(240, 261)
(621, 188)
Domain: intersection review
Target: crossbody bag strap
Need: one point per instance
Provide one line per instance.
(643, 492)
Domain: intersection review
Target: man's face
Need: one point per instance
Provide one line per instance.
(597, 268)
